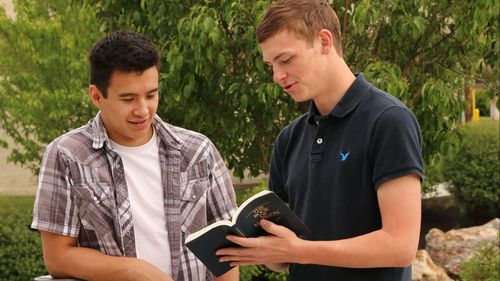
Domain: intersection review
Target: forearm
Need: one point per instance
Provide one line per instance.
(375, 249)
(231, 275)
(89, 264)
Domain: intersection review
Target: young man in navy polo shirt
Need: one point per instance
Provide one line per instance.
(351, 168)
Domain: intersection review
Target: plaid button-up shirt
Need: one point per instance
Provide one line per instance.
(82, 192)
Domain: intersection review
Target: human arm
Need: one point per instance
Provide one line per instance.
(63, 258)
(393, 245)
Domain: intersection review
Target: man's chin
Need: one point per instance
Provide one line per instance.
(299, 99)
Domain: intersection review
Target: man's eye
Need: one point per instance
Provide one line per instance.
(286, 61)
(127, 100)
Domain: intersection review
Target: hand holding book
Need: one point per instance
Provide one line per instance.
(271, 250)
(245, 223)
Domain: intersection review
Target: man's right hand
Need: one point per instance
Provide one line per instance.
(63, 258)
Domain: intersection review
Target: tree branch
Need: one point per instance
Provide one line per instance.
(469, 76)
(371, 47)
(416, 52)
(227, 31)
(346, 17)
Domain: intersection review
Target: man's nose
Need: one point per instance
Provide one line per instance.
(141, 108)
(278, 75)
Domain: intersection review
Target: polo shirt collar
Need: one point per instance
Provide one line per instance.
(348, 102)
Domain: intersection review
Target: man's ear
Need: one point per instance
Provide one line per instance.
(95, 96)
(326, 40)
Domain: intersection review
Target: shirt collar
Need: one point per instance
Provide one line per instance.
(100, 137)
(348, 102)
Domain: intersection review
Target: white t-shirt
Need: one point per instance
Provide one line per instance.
(145, 191)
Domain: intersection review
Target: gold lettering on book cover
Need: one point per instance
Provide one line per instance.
(263, 212)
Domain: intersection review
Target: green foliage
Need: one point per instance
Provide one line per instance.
(43, 70)
(474, 170)
(20, 247)
(213, 79)
(211, 69)
(261, 273)
(483, 104)
(217, 83)
(275, 276)
(249, 273)
(484, 265)
(423, 52)
(243, 194)
(420, 51)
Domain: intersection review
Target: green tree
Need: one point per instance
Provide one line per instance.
(217, 83)
(43, 73)
(424, 52)
(213, 79)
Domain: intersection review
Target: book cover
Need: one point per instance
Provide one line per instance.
(245, 222)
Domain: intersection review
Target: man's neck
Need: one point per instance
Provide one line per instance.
(342, 78)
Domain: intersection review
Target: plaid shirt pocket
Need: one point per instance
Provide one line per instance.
(96, 211)
(194, 205)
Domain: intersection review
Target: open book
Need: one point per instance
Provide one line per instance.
(245, 222)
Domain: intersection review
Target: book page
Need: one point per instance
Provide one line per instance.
(248, 201)
(202, 231)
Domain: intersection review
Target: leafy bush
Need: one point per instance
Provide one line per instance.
(257, 272)
(474, 169)
(483, 266)
(20, 247)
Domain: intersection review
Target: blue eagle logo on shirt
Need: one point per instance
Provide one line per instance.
(344, 155)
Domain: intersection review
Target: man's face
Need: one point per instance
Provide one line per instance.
(297, 65)
(130, 106)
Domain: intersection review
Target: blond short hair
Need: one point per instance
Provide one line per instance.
(302, 17)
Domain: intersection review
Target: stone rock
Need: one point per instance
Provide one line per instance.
(452, 248)
(424, 269)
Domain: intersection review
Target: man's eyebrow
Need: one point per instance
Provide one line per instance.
(152, 91)
(277, 57)
(125, 95)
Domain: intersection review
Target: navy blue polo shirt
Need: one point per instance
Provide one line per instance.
(328, 168)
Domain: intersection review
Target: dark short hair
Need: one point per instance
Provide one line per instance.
(120, 51)
(305, 18)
